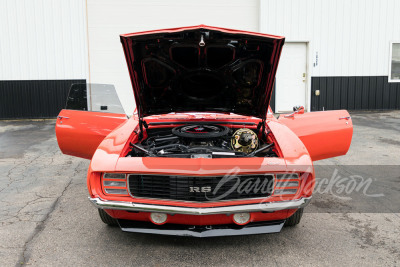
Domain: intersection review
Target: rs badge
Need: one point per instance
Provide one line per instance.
(198, 189)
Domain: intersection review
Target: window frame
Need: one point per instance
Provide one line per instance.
(390, 80)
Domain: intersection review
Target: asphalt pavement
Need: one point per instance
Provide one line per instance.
(47, 220)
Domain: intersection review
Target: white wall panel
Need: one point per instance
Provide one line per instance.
(351, 38)
(108, 19)
(42, 39)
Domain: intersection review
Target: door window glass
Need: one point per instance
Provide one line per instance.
(94, 97)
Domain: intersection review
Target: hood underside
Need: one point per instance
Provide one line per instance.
(202, 69)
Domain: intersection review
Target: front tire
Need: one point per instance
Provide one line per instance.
(107, 219)
(295, 218)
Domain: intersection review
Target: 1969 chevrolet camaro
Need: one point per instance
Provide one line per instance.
(202, 155)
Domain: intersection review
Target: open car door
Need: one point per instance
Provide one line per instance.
(92, 112)
(325, 134)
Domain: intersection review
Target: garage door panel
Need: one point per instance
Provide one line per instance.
(291, 77)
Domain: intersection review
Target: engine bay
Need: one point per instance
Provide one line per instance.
(203, 140)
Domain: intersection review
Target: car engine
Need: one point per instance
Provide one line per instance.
(202, 141)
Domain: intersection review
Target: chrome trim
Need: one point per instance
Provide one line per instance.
(345, 118)
(62, 117)
(266, 207)
(188, 201)
(178, 202)
(287, 176)
(209, 232)
(105, 173)
(119, 183)
(122, 191)
(285, 191)
(287, 184)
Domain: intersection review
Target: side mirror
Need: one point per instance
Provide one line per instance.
(296, 110)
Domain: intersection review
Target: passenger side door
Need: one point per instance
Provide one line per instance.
(325, 134)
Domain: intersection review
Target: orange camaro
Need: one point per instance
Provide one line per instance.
(203, 155)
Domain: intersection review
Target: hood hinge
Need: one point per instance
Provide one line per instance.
(261, 128)
(142, 123)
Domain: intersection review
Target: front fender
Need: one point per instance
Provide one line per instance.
(108, 152)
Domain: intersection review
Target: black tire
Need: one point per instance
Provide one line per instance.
(107, 219)
(295, 218)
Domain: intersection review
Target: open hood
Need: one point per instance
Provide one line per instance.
(202, 69)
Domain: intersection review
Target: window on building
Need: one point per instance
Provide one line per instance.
(394, 70)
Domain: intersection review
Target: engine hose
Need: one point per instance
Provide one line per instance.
(182, 147)
(140, 148)
(260, 150)
(210, 149)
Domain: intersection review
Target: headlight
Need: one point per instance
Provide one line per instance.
(114, 183)
(286, 184)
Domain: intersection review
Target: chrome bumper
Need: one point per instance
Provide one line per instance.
(259, 207)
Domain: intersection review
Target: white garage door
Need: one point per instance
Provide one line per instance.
(108, 19)
(291, 78)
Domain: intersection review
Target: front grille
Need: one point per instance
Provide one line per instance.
(200, 189)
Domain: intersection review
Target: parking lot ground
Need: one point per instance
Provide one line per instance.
(46, 219)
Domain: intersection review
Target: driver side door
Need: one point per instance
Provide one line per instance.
(92, 112)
